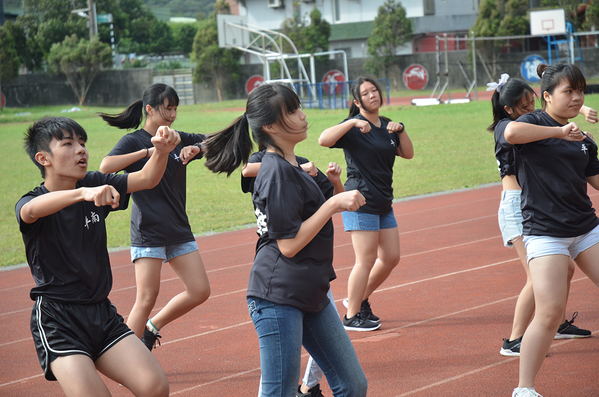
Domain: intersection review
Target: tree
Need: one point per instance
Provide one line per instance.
(392, 29)
(213, 63)
(591, 17)
(9, 60)
(308, 38)
(499, 18)
(572, 9)
(80, 60)
(183, 35)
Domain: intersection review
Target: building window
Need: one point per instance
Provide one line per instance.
(337, 10)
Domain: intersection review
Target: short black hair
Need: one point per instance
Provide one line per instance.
(40, 134)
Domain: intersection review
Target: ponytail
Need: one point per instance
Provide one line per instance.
(510, 94)
(155, 96)
(226, 150)
(267, 104)
(127, 119)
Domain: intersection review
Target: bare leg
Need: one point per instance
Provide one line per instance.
(147, 279)
(365, 245)
(388, 258)
(131, 364)
(525, 305)
(190, 269)
(549, 275)
(77, 376)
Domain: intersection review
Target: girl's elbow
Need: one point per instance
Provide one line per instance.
(323, 142)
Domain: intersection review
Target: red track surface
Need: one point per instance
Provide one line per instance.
(444, 311)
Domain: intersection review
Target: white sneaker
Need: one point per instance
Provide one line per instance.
(346, 302)
(525, 392)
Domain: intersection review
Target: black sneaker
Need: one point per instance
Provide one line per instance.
(357, 323)
(150, 339)
(570, 331)
(313, 392)
(366, 312)
(511, 348)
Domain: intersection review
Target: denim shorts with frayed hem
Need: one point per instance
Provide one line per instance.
(165, 253)
(368, 222)
(510, 216)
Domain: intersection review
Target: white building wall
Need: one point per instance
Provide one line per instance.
(333, 11)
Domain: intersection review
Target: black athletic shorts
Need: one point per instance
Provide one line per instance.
(62, 329)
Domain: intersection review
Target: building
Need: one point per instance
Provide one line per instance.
(352, 21)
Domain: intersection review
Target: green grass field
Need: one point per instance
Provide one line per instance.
(453, 150)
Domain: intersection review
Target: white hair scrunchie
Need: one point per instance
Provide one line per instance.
(497, 86)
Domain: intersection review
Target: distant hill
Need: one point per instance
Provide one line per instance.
(164, 9)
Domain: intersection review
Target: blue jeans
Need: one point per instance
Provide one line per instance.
(282, 330)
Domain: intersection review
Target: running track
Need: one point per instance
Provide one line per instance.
(444, 310)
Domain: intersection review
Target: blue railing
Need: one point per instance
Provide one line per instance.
(329, 95)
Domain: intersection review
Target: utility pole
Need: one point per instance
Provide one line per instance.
(92, 19)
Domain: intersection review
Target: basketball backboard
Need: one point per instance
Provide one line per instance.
(228, 34)
(548, 22)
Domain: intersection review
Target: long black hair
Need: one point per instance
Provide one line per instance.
(155, 96)
(552, 76)
(267, 104)
(510, 94)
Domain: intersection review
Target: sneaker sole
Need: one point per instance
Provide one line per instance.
(570, 336)
(346, 304)
(361, 329)
(508, 353)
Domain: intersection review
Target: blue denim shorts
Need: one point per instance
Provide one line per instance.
(357, 220)
(165, 253)
(510, 216)
(537, 246)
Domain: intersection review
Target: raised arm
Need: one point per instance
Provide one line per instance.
(250, 170)
(589, 114)
(405, 149)
(334, 176)
(112, 164)
(52, 202)
(347, 201)
(165, 140)
(517, 133)
(332, 134)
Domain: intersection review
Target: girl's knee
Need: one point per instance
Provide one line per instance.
(200, 295)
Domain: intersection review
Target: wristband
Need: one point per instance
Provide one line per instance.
(403, 128)
(199, 146)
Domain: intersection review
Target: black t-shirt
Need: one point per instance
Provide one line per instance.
(370, 158)
(284, 197)
(158, 216)
(552, 173)
(504, 151)
(66, 251)
(247, 182)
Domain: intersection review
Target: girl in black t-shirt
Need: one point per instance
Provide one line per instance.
(513, 98)
(160, 229)
(287, 291)
(371, 144)
(554, 162)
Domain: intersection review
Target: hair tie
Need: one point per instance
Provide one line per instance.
(499, 85)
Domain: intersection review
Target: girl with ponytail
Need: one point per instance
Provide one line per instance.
(513, 98)
(160, 229)
(287, 291)
(554, 162)
(370, 143)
